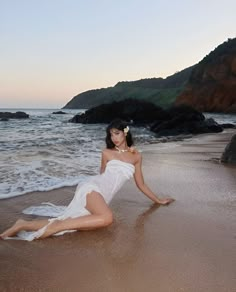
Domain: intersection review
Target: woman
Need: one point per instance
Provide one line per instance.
(89, 208)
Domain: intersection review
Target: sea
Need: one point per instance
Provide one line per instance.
(46, 152)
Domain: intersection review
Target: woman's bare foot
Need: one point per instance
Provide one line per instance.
(16, 227)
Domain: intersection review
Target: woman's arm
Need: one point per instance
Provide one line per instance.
(138, 177)
(103, 161)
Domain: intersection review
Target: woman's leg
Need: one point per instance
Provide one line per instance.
(21, 224)
(101, 216)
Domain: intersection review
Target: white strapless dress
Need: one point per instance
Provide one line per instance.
(117, 172)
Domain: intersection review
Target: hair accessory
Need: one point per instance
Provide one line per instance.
(132, 149)
(126, 130)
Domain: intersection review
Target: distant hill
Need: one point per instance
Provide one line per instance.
(159, 91)
(208, 86)
(212, 83)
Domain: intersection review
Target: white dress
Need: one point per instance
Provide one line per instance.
(117, 172)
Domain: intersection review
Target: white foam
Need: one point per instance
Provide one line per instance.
(54, 184)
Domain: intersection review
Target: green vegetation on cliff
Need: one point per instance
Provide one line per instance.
(226, 48)
(159, 91)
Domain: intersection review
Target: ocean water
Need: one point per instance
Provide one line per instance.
(46, 152)
(222, 118)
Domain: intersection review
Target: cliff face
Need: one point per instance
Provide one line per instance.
(212, 83)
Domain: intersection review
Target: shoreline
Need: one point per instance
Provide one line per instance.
(186, 246)
(165, 142)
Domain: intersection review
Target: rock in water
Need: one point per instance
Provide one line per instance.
(229, 154)
(59, 113)
(183, 119)
(139, 111)
(4, 116)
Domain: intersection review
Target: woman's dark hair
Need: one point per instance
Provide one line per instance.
(119, 125)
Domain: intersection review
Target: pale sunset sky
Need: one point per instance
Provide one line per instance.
(52, 50)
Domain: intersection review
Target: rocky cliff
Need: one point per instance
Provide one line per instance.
(212, 83)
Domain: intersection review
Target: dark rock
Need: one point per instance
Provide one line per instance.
(4, 119)
(135, 111)
(182, 119)
(213, 126)
(17, 115)
(229, 154)
(185, 120)
(59, 113)
(228, 126)
(186, 112)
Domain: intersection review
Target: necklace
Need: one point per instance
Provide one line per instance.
(121, 150)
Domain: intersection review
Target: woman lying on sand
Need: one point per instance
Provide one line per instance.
(89, 209)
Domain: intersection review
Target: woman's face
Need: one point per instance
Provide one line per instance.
(117, 136)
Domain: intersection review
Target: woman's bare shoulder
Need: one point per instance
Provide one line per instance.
(137, 154)
(106, 152)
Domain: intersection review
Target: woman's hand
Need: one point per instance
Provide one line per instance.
(138, 176)
(165, 201)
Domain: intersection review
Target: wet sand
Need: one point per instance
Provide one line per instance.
(186, 246)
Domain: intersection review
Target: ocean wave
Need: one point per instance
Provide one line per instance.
(54, 184)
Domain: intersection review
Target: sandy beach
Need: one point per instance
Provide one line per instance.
(186, 246)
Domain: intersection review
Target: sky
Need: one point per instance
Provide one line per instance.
(51, 50)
